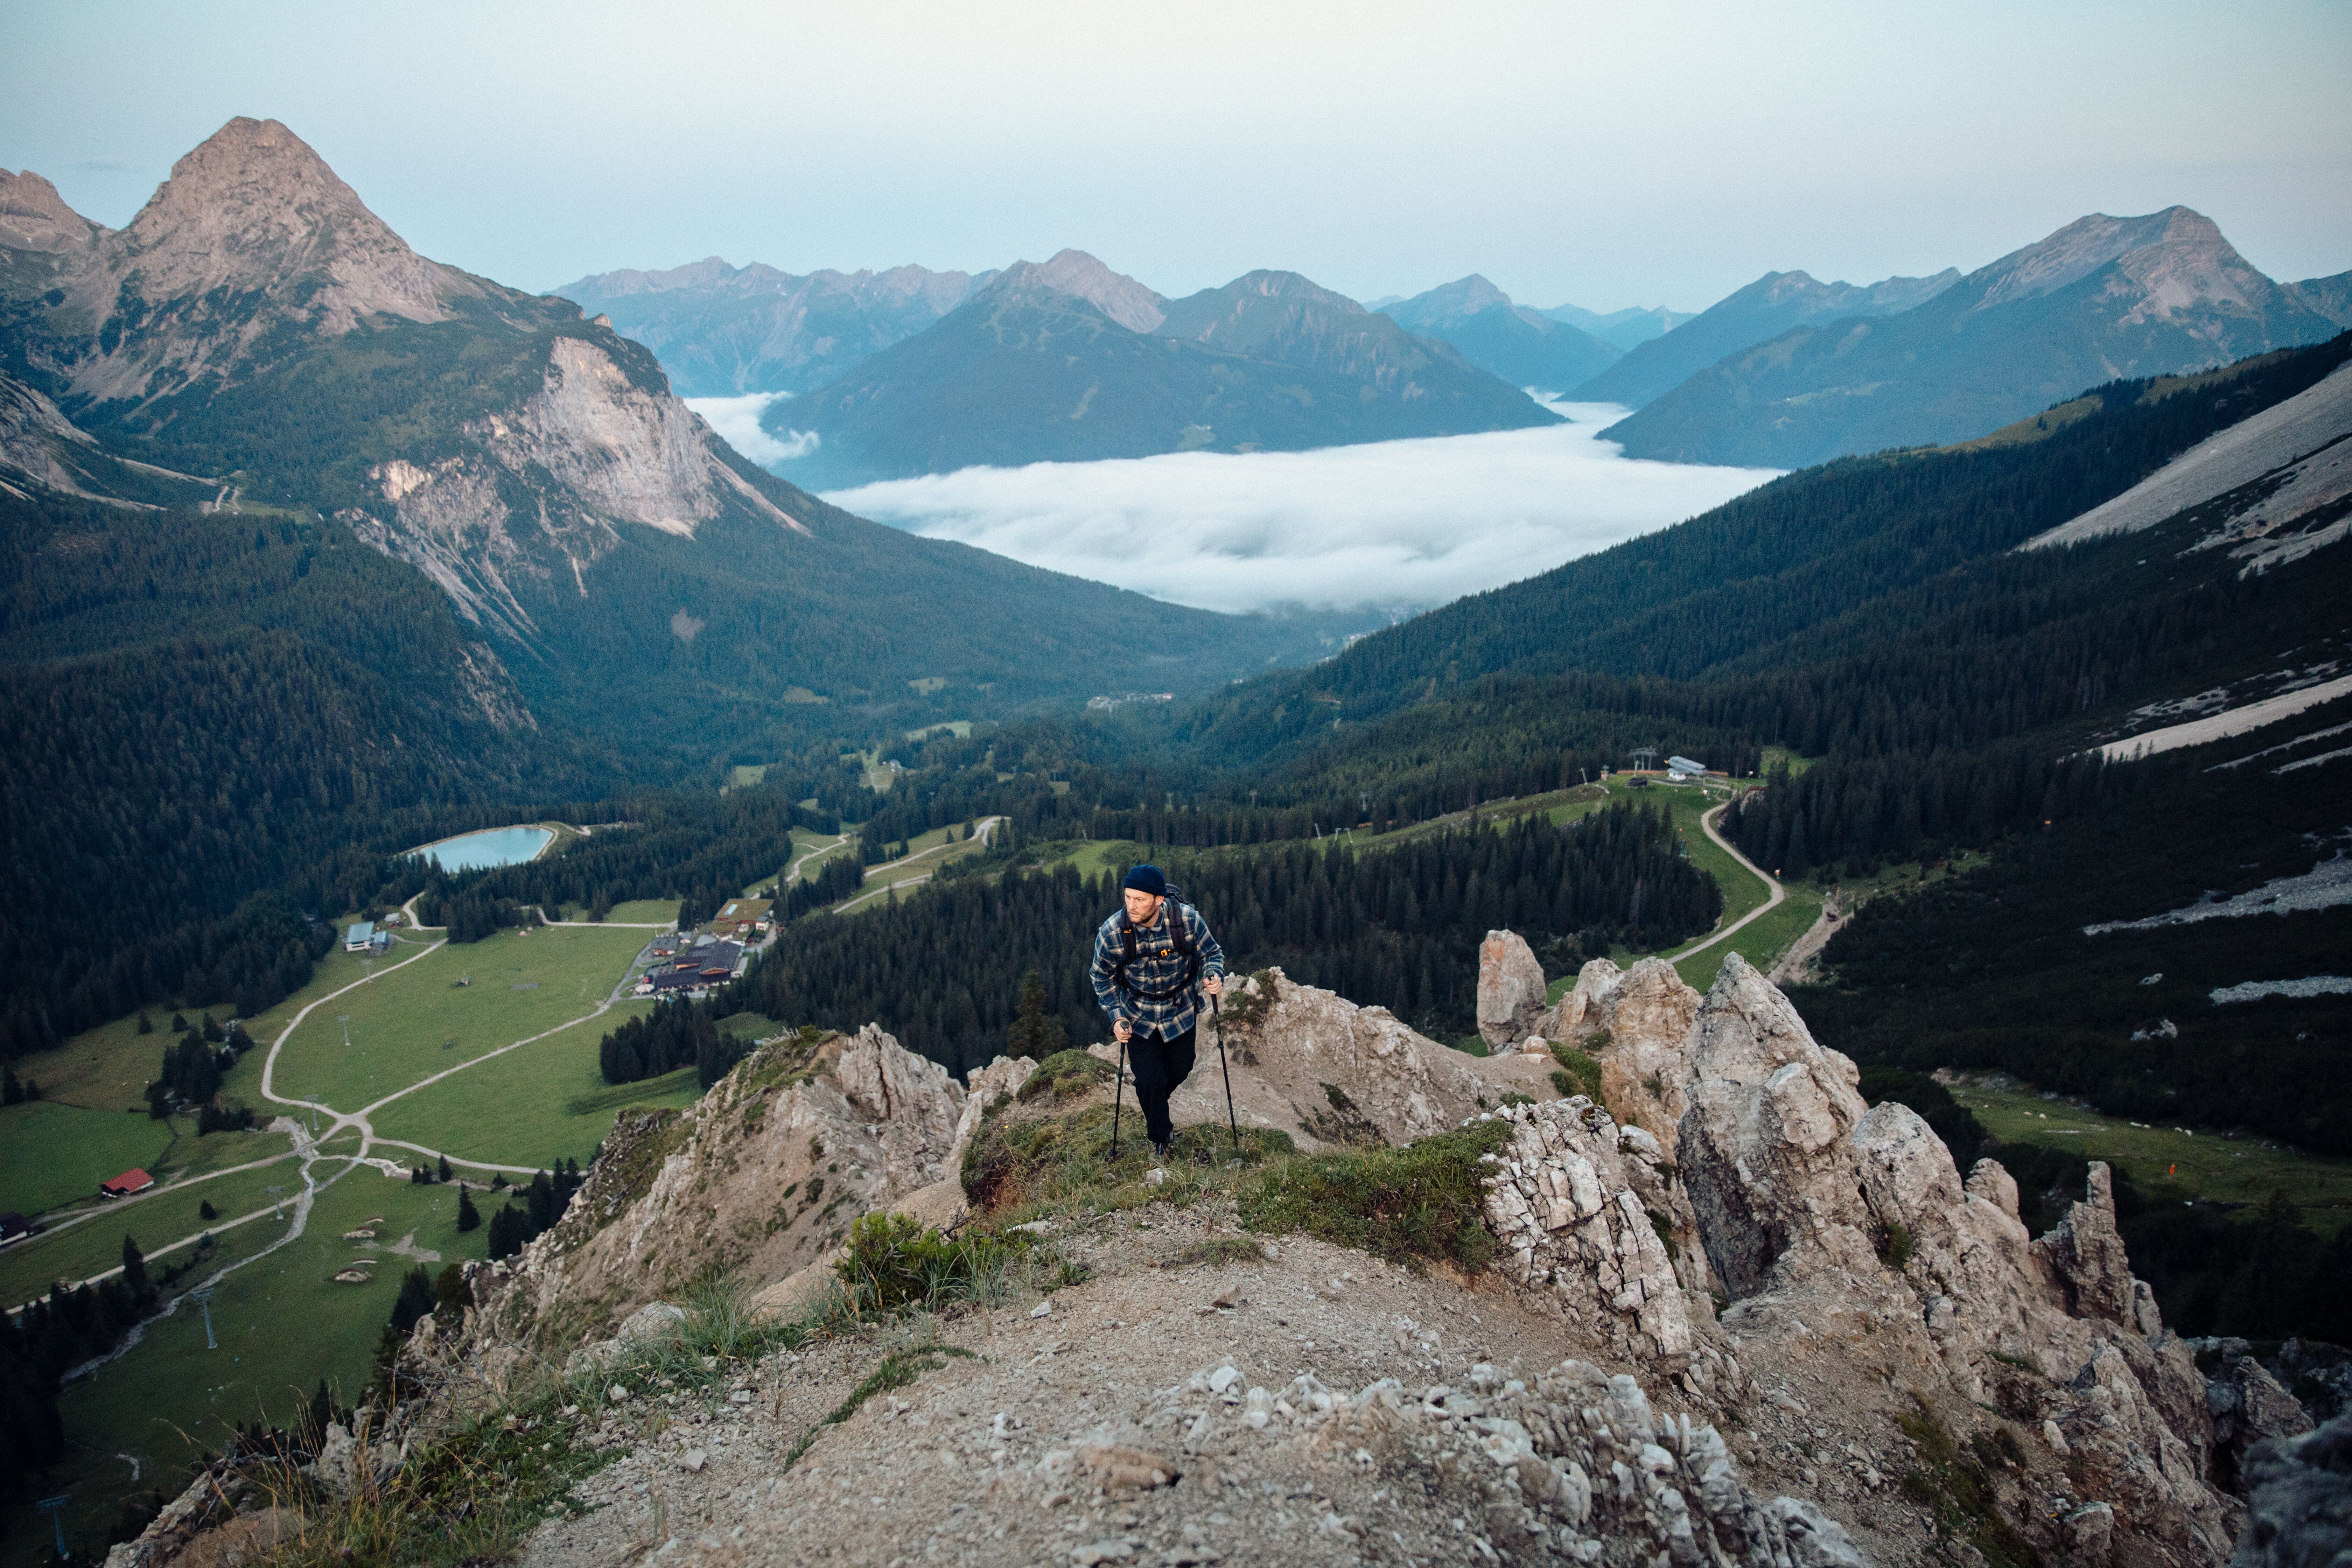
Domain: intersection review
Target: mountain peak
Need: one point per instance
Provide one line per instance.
(1270, 284)
(1457, 300)
(2091, 242)
(255, 209)
(33, 216)
(1081, 275)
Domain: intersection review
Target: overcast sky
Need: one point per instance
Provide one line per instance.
(1605, 155)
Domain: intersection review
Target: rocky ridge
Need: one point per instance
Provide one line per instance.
(1780, 1328)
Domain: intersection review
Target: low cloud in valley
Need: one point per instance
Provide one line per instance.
(1392, 523)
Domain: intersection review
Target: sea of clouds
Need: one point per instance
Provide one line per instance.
(737, 420)
(1392, 523)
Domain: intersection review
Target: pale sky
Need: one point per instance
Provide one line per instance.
(1605, 155)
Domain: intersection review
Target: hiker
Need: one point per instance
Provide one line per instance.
(1153, 960)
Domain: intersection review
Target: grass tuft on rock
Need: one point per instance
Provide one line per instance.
(1065, 1075)
(1415, 1206)
(1030, 1163)
(1576, 1074)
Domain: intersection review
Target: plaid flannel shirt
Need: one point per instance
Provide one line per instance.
(1157, 967)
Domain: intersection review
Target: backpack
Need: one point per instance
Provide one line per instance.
(1179, 942)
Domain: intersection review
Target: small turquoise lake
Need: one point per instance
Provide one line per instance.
(490, 846)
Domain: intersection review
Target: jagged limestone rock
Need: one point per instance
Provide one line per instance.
(1573, 1199)
(1313, 1064)
(1510, 989)
(1764, 1146)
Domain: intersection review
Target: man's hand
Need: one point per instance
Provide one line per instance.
(1215, 985)
(1120, 1030)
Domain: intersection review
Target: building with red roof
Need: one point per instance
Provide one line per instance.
(122, 1187)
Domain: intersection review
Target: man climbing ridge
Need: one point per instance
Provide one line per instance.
(1152, 960)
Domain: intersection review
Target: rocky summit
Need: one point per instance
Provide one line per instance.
(1745, 1318)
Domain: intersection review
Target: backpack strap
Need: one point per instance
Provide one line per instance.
(1179, 940)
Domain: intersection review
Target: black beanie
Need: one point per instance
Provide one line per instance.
(1147, 879)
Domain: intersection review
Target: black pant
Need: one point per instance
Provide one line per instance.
(1160, 1068)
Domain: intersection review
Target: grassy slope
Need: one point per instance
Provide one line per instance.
(80, 1251)
(168, 1397)
(531, 1106)
(402, 1024)
(2224, 1167)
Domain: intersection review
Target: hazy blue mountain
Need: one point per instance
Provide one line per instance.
(2331, 297)
(2100, 299)
(1067, 360)
(721, 330)
(1765, 308)
(1524, 347)
(1623, 330)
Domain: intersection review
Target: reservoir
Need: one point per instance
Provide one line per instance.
(490, 846)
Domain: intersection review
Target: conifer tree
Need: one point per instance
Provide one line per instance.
(134, 1271)
(469, 1216)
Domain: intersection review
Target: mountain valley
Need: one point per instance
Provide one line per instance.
(1663, 988)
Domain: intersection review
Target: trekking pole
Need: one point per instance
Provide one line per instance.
(1117, 1085)
(1218, 1015)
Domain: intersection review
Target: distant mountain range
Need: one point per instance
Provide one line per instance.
(723, 331)
(1623, 330)
(1067, 361)
(1527, 348)
(2100, 299)
(1765, 308)
(2331, 297)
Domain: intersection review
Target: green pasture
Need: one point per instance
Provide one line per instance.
(2200, 1162)
(55, 1150)
(52, 1153)
(529, 1107)
(412, 1022)
(643, 912)
(169, 1398)
(154, 1221)
(329, 976)
(925, 855)
(1761, 942)
(803, 840)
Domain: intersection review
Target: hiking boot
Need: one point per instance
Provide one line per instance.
(1165, 1151)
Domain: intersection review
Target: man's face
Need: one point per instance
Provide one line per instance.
(1142, 908)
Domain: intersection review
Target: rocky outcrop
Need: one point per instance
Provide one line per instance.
(1593, 1212)
(2249, 1407)
(2301, 1510)
(761, 1178)
(1313, 1064)
(1510, 989)
(1636, 1024)
(1813, 1208)
(1765, 1144)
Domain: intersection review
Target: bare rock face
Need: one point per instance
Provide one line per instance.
(620, 453)
(33, 217)
(1586, 1208)
(1638, 1027)
(1765, 1143)
(252, 230)
(1317, 1065)
(763, 1175)
(2086, 1254)
(2249, 1406)
(1565, 1019)
(1510, 989)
